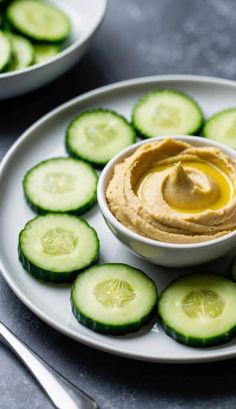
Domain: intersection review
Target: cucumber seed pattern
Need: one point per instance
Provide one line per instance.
(203, 303)
(114, 293)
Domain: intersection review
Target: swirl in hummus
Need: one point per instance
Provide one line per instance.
(175, 192)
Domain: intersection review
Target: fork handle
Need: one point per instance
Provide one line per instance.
(62, 393)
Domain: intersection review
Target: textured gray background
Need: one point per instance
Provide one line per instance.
(137, 38)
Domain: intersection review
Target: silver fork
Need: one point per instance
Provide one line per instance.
(62, 393)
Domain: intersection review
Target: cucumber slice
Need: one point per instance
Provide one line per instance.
(38, 21)
(5, 51)
(222, 127)
(22, 53)
(44, 52)
(114, 299)
(56, 247)
(96, 136)
(199, 310)
(61, 185)
(166, 112)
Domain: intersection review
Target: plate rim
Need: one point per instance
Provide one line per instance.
(96, 344)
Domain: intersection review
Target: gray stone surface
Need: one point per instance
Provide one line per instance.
(137, 38)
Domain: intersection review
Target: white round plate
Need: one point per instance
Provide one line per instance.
(85, 17)
(51, 303)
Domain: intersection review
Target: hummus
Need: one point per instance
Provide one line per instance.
(175, 192)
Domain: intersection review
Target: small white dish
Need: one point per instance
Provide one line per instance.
(85, 18)
(157, 252)
(51, 303)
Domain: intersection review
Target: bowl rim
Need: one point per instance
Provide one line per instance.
(72, 47)
(105, 210)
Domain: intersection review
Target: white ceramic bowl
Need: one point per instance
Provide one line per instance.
(164, 254)
(85, 17)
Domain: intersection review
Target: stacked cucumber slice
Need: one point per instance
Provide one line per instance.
(32, 32)
(38, 21)
(43, 52)
(22, 52)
